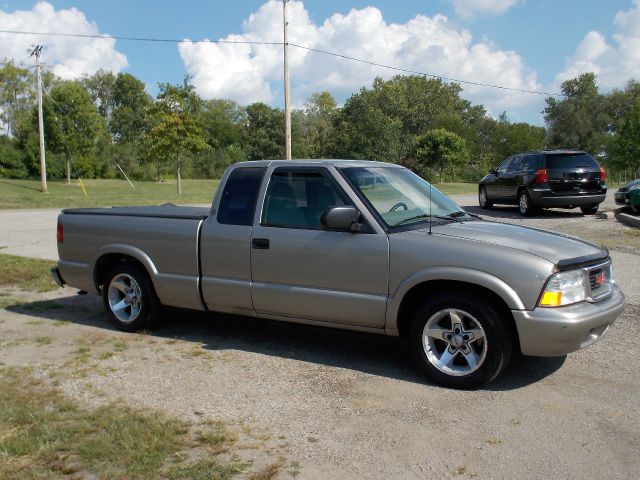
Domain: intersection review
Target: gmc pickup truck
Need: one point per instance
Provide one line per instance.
(349, 244)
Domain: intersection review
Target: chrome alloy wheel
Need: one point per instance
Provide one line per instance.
(523, 203)
(454, 342)
(125, 297)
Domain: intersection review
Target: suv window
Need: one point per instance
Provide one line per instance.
(529, 163)
(514, 166)
(297, 197)
(502, 168)
(569, 161)
(238, 200)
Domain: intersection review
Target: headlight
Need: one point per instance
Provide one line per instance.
(565, 288)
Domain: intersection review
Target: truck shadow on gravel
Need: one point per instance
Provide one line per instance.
(368, 353)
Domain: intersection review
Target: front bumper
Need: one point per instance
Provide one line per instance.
(549, 332)
(622, 198)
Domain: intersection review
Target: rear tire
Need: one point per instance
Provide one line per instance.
(483, 199)
(590, 209)
(129, 298)
(525, 207)
(460, 341)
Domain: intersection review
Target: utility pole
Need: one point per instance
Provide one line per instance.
(287, 93)
(36, 51)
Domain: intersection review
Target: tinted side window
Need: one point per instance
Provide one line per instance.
(529, 163)
(514, 166)
(503, 166)
(238, 200)
(563, 161)
(297, 198)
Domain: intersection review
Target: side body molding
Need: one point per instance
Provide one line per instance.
(459, 274)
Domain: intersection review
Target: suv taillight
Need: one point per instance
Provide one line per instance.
(60, 233)
(542, 176)
(603, 174)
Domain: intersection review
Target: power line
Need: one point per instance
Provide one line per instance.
(432, 75)
(137, 39)
(303, 47)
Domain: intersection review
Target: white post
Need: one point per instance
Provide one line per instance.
(287, 94)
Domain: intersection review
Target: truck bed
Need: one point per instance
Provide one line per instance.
(152, 211)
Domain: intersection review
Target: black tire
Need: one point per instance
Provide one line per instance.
(525, 207)
(496, 341)
(130, 284)
(590, 209)
(483, 199)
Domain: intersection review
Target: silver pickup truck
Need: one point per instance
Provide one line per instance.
(349, 244)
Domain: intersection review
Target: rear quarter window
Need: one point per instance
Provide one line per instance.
(238, 200)
(569, 161)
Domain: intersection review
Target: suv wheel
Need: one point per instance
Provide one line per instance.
(524, 204)
(459, 340)
(590, 209)
(483, 199)
(129, 298)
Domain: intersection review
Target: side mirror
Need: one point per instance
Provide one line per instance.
(343, 218)
(493, 171)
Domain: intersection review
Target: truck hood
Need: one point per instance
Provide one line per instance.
(551, 246)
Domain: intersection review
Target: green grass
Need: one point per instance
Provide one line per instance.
(26, 273)
(107, 193)
(44, 435)
(102, 193)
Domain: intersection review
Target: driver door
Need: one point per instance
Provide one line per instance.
(303, 271)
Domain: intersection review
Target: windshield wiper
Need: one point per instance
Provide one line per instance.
(426, 215)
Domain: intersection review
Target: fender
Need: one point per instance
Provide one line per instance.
(475, 277)
(124, 249)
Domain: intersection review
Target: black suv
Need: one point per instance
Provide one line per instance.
(545, 178)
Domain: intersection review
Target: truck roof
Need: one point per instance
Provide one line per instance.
(313, 161)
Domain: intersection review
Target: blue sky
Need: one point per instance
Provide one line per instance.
(531, 45)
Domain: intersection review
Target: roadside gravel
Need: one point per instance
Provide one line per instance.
(350, 405)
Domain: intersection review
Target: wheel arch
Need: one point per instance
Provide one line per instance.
(495, 291)
(110, 255)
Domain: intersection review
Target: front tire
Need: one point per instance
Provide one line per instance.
(129, 298)
(483, 199)
(590, 209)
(460, 341)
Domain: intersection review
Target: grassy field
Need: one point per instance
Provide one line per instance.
(107, 193)
(102, 193)
(26, 273)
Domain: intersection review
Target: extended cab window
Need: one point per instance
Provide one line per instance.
(297, 197)
(238, 200)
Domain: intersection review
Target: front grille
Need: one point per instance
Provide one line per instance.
(600, 281)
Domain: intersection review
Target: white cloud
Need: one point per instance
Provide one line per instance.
(469, 8)
(248, 73)
(615, 63)
(67, 57)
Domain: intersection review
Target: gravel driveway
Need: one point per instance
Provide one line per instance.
(348, 405)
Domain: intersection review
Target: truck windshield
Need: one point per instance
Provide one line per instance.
(400, 197)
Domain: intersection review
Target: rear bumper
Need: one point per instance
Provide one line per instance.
(548, 199)
(548, 332)
(55, 273)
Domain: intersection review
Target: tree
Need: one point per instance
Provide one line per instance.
(176, 126)
(264, 132)
(16, 94)
(628, 140)
(580, 120)
(439, 148)
(316, 125)
(11, 160)
(73, 127)
(100, 86)
(130, 109)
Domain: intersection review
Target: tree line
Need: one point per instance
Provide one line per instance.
(105, 124)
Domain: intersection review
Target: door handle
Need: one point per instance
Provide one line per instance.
(260, 243)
